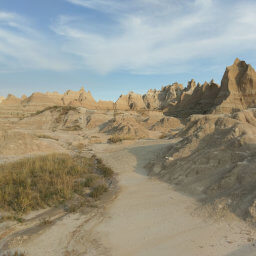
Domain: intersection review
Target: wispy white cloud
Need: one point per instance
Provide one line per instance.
(160, 35)
(22, 47)
(136, 36)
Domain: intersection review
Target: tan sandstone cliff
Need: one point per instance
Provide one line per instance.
(47, 99)
(11, 100)
(131, 101)
(195, 99)
(238, 88)
(237, 92)
(1, 99)
(160, 99)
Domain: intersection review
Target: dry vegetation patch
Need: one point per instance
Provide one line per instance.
(119, 138)
(63, 109)
(98, 191)
(16, 253)
(38, 182)
(45, 136)
(104, 170)
(163, 136)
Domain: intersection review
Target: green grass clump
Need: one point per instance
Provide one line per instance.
(34, 183)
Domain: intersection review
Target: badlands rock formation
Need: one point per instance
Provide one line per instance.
(81, 98)
(238, 88)
(195, 99)
(215, 161)
(126, 126)
(11, 100)
(66, 118)
(41, 99)
(131, 101)
(1, 99)
(208, 152)
(161, 99)
(237, 92)
(167, 123)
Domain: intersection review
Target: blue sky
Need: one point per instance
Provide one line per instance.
(112, 46)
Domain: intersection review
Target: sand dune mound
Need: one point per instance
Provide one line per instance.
(126, 125)
(215, 161)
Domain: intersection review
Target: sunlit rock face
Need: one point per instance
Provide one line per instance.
(1, 99)
(160, 99)
(131, 101)
(237, 92)
(10, 100)
(238, 88)
(195, 99)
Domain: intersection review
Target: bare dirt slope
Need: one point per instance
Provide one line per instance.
(215, 161)
(150, 218)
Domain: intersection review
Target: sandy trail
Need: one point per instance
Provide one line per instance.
(150, 218)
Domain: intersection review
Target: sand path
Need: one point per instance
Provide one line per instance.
(150, 218)
(147, 218)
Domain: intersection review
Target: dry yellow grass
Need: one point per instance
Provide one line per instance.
(163, 136)
(119, 138)
(34, 183)
(45, 136)
(64, 109)
(16, 253)
(98, 191)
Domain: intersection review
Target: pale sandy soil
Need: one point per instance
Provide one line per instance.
(148, 217)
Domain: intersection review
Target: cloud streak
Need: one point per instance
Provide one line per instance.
(160, 36)
(133, 36)
(22, 47)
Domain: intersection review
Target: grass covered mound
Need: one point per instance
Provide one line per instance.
(37, 182)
